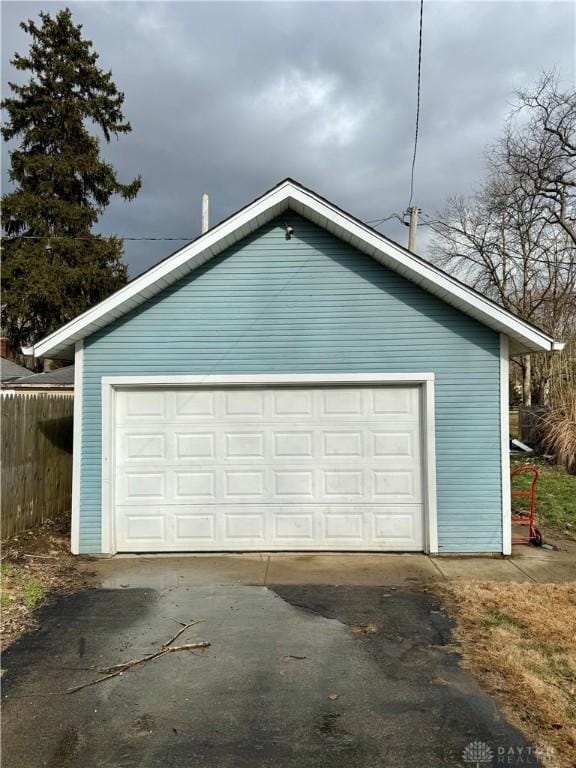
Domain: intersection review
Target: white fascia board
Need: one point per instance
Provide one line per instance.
(289, 195)
(77, 446)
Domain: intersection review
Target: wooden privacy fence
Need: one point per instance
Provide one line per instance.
(36, 460)
(530, 425)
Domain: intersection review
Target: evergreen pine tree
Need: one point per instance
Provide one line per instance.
(54, 267)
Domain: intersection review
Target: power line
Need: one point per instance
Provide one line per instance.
(377, 222)
(417, 105)
(374, 222)
(94, 237)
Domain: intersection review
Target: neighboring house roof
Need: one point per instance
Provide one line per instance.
(524, 337)
(9, 371)
(58, 379)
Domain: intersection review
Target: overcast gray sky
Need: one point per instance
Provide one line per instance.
(229, 98)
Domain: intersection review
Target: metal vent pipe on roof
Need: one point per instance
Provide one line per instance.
(205, 213)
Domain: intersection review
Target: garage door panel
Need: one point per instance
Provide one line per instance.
(194, 405)
(396, 526)
(150, 404)
(141, 486)
(341, 402)
(267, 485)
(244, 526)
(244, 483)
(344, 527)
(268, 444)
(194, 445)
(394, 402)
(144, 446)
(144, 527)
(245, 529)
(400, 443)
(244, 403)
(244, 445)
(293, 444)
(288, 403)
(195, 486)
(291, 527)
(190, 529)
(350, 444)
(340, 484)
(396, 485)
(293, 483)
(320, 468)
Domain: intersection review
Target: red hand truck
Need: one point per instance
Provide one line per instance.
(534, 535)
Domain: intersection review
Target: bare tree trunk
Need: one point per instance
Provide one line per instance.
(540, 391)
(546, 392)
(527, 381)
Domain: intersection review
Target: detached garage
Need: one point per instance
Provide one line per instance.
(292, 380)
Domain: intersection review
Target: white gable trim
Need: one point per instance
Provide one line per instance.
(288, 194)
(505, 447)
(77, 446)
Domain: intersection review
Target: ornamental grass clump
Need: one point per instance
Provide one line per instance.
(559, 423)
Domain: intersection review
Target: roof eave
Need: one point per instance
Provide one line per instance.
(41, 387)
(524, 337)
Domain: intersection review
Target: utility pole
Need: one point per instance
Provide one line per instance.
(205, 213)
(413, 227)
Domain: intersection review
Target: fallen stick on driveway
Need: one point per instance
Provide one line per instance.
(183, 629)
(119, 669)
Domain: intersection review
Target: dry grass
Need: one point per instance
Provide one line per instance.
(559, 427)
(36, 567)
(559, 424)
(519, 640)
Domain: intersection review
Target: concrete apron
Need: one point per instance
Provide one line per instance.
(162, 571)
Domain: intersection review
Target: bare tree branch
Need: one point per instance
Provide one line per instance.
(515, 239)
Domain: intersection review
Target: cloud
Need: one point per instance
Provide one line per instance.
(316, 103)
(229, 98)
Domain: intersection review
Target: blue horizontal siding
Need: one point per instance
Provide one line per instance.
(313, 304)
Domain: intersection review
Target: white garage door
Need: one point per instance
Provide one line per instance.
(324, 468)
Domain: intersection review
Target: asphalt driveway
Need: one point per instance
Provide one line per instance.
(294, 676)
